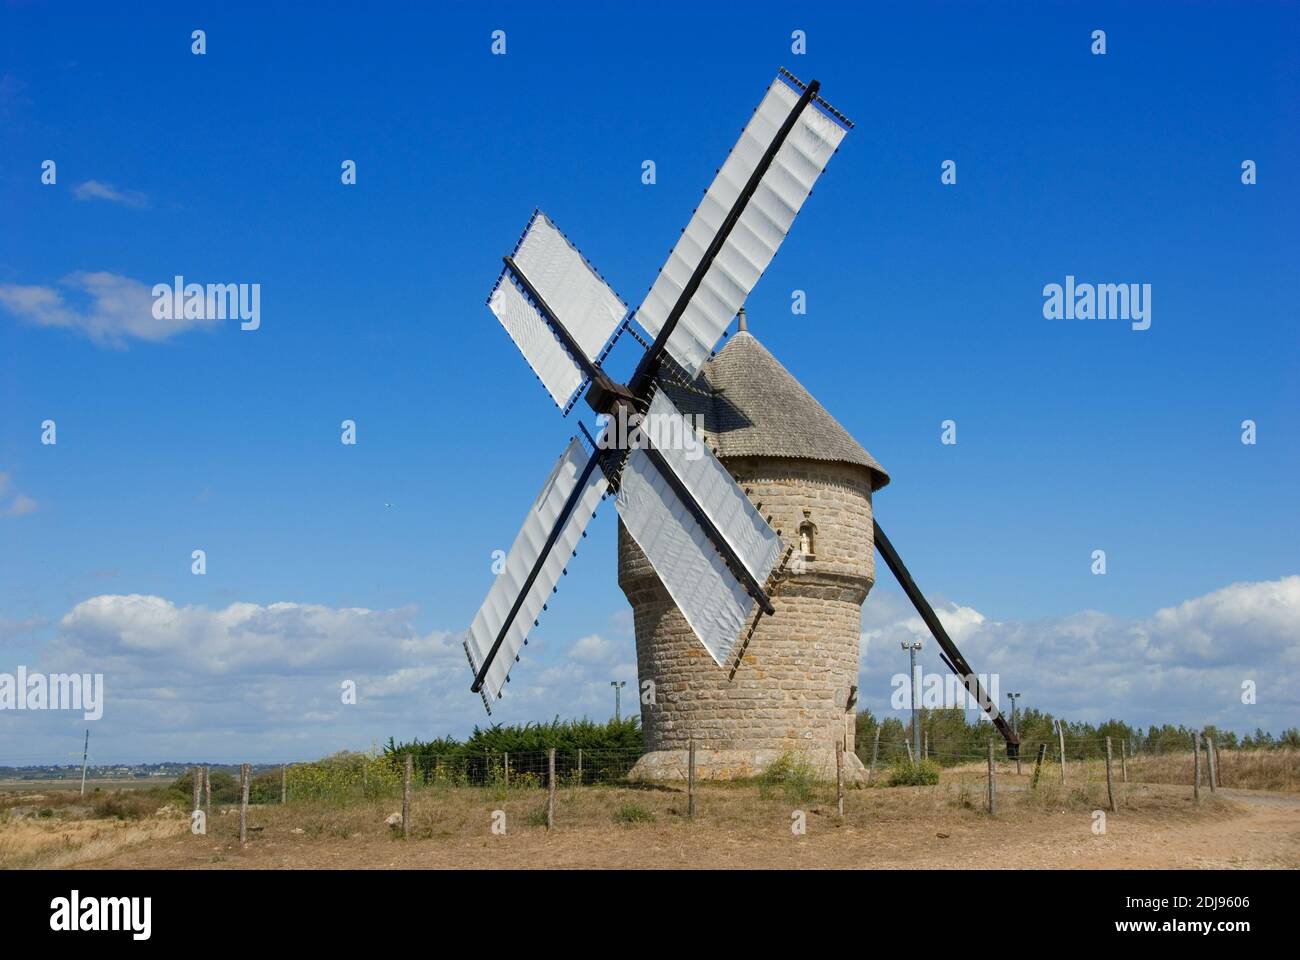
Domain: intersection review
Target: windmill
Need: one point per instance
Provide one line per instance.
(718, 557)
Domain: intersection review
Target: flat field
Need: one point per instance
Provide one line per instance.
(735, 826)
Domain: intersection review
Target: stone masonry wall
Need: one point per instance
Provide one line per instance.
(792, 689)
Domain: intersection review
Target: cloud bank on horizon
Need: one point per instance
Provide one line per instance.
(261, 682)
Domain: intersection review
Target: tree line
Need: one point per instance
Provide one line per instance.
(954, 738)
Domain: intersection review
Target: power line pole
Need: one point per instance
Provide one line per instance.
(911, 646)
(85, 752)
(618, 686)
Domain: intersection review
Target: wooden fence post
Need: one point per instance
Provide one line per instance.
(207, 795)
(1213, 762)
(284, 784)
(1123, 759)
(875, 751)
(1038, 766)
(993, 790)
(1110, 783)
(925, 744)
(406, 797)
(839, 776)
(245, 775)
(1196, 767)
(198, 787)
(507, 767)
(580, 765)
(1060, 732)
(550, 789)
(690, 778)
(910, 758)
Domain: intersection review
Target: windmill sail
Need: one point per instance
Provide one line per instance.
(713, 601)
(755, 544)
(556, 308)
(710, 547)
(765, 218)
(533, 567)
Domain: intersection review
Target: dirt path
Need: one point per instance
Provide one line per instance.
(1156, 827)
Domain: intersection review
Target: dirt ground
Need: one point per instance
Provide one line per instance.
(945, 826)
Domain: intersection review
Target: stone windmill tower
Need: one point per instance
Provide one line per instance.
(795, 688)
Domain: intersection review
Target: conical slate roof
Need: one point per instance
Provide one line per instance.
(753, 407)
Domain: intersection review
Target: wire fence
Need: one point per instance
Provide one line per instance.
(382, 775)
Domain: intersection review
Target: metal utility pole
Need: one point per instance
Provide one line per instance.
(911, 646)
(1013, 697)
(618, 686)
(85, 752)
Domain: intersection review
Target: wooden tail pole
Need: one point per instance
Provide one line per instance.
(1123, 759)
(952, 656)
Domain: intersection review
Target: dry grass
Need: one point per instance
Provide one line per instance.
(1245, 769)
(54, 842)
(736, 825)
(55, 826)
(1277, 770)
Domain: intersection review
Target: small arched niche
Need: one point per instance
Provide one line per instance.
(807, 538)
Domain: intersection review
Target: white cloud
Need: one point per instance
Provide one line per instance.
(111, 310)
(246, 637)
(592, 649)
(1183, 664)
(182, 680)
(96, 190)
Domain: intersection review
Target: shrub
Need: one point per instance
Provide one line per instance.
(907, 774)
(632, 813)
(126, 805)
(792, 774)
(225, 787)
(609, 750)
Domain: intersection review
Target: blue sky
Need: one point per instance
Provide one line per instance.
(924, 304)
